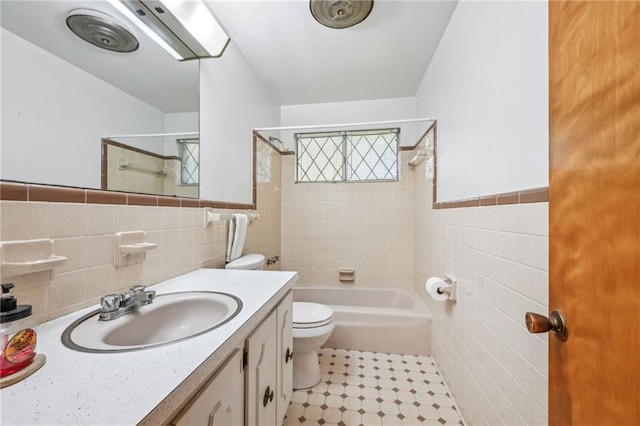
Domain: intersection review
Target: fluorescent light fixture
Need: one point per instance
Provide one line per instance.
(184, 28)
(148, 31)
(196, 18)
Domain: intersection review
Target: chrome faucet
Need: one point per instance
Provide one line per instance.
(114, 306)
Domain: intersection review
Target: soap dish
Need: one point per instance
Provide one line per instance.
(38, 362)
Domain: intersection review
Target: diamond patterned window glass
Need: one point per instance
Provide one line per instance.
(372, 155)
(320, 157)
(190, 161)
(354, 156)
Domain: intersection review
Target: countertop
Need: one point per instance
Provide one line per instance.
(147, 386)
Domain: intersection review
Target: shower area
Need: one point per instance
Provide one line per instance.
(348, 199)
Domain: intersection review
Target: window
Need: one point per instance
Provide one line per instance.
(354, 156)
(189, 161)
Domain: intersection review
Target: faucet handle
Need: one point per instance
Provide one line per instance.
(110, 303)
(142, 296)
(137, 289)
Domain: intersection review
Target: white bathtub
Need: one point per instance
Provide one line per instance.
(374, 319)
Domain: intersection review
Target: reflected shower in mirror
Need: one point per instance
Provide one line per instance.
(165, 164)
(61, 96)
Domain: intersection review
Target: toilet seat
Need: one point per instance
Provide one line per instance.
(311, 315)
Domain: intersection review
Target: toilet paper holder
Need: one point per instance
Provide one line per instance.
(450, 287)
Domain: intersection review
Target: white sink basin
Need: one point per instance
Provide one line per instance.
(170, 318)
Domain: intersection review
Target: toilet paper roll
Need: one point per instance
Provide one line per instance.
(432, 285)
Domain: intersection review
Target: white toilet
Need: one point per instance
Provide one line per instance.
(312, 326)
(253, 261)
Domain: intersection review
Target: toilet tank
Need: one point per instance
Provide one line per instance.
(247, 262)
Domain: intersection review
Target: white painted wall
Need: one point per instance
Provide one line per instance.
(352, 112)
(233, 101)
(54, 115)
(487, 85)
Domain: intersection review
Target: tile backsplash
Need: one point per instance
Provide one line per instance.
(85, 234)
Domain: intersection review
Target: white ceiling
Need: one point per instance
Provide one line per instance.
(302, 61)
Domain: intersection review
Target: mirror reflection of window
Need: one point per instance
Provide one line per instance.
(430, 167)
(190, 161)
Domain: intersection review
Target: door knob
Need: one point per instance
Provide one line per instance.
(537, 323)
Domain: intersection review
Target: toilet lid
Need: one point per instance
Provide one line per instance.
(310, 315)
(248, 261)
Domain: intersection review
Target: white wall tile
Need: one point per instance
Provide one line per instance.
(103, 219)
(76, 252)
(495, 369)
(22, 222)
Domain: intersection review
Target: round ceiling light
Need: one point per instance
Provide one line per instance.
(340, 13)
(101, 30)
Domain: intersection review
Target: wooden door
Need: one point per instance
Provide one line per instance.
(284, 364)
(261, 374)
(594, 216)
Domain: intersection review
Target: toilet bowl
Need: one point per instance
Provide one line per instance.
(312, 326)
(251, 261)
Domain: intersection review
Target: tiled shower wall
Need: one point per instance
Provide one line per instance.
(364, 226)
(84, 233)
(264, 238)
(495, 369)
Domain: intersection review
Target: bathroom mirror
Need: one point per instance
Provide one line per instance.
(61, 96)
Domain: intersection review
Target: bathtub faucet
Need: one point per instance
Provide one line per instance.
(272, 260)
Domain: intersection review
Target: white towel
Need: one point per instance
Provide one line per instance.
(237, 234)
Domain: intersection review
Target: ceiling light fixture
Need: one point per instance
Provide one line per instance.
(184, 28)
(340, 14)
(101, 30)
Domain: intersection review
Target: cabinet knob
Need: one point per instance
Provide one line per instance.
(288, 356)
(268, 396)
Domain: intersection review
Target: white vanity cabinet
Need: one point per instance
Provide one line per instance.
(251, 388)
(220, 402)
(269, 367)
(284, 365)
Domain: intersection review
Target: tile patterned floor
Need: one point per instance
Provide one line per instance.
(373, 389)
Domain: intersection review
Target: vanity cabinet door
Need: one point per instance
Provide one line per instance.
(284, 364)
(261, 383)
(220, 402)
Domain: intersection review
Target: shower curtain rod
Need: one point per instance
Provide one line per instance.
(154, 134)
(325, 126)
